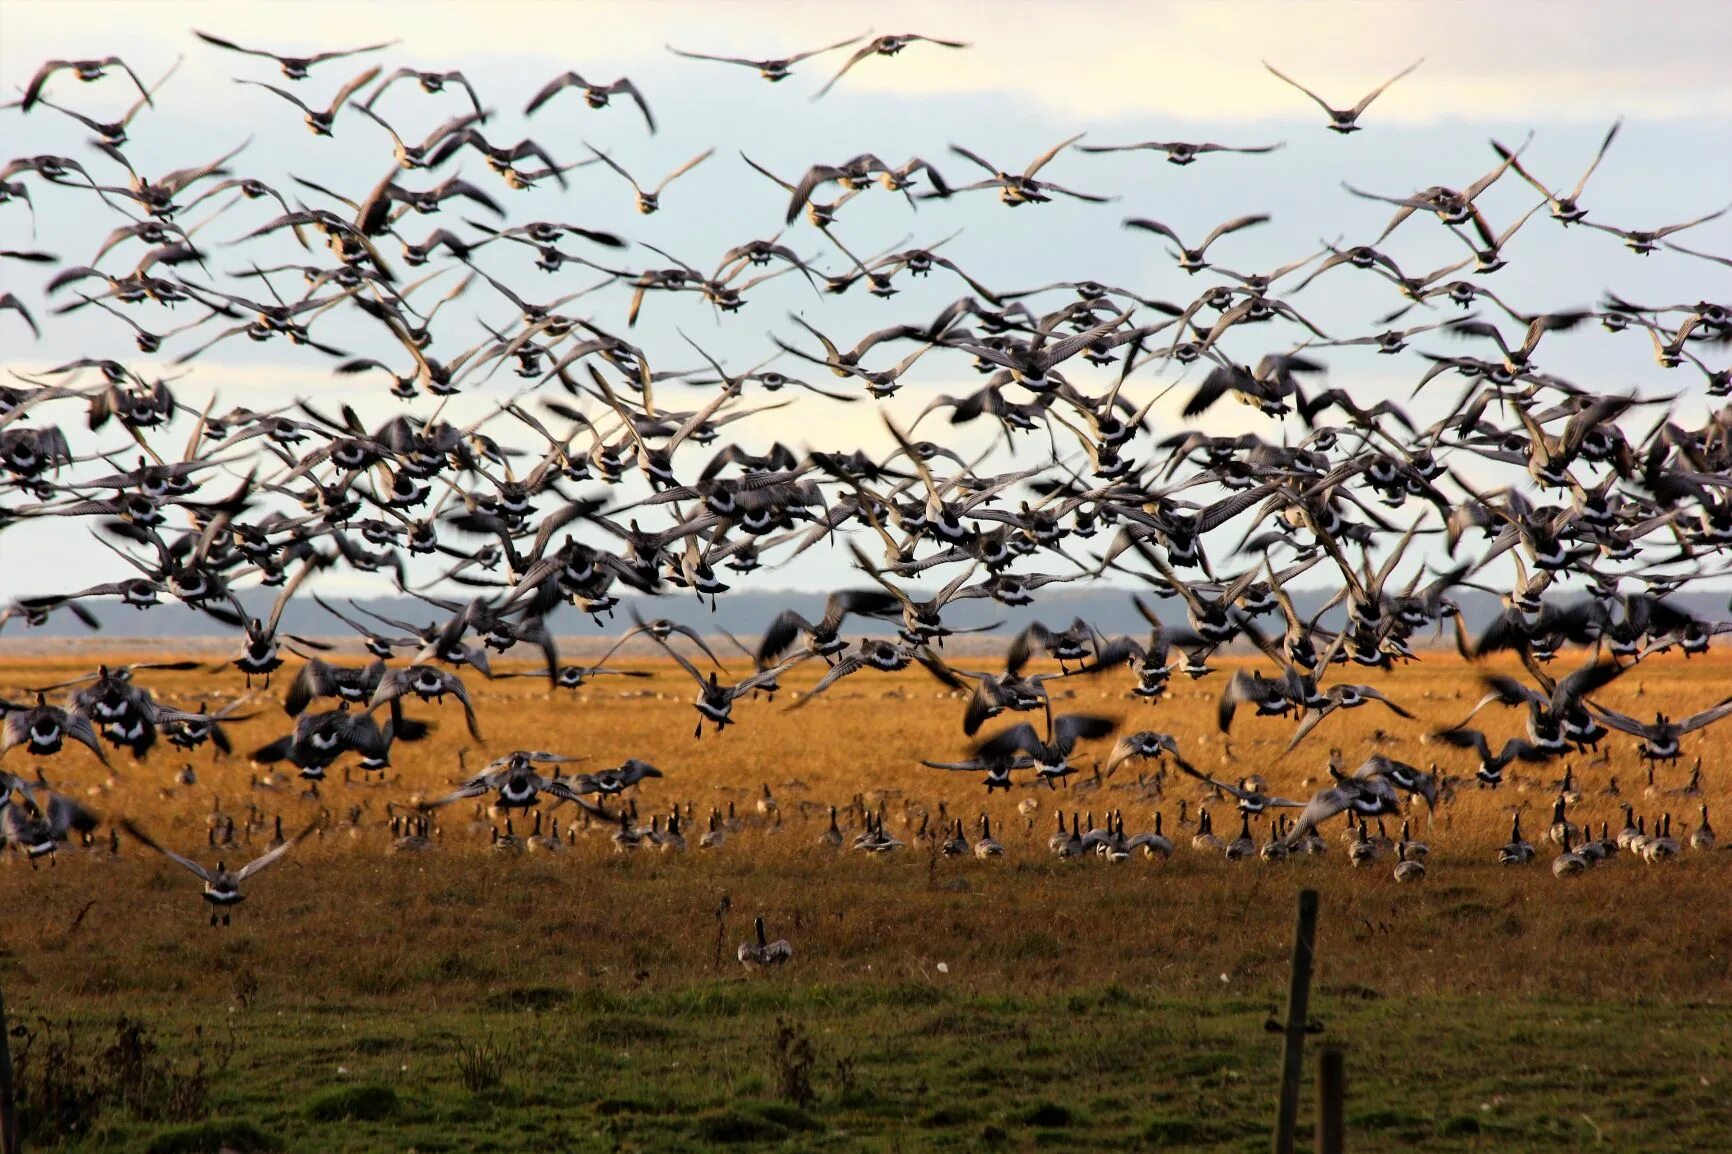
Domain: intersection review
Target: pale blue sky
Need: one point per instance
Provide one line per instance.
(1036, 74)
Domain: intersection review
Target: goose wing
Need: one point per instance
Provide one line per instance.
(275, 855)
(145, 839)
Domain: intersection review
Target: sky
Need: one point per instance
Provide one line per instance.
(1034, 75)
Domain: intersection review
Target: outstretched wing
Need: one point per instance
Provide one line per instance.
(145, 839)
(275, 855)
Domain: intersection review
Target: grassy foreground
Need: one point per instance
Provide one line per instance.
(457, 1000)
(925, 1067)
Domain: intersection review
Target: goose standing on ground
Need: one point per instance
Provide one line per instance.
(763, 953)
(1702, 837)
(1407, 869)
(1517, 851)
(1153, 843)
(832, 836)
(988, 846)
(1409, 849)
(222, 886)
(1569, 863)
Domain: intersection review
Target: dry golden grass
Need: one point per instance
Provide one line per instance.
(343, 926)
(1198, 916)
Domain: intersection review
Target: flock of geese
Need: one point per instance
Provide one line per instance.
(584, 483)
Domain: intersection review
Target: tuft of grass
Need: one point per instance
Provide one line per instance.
(729, 1127)
(1047, 1115)
(786, 1116)
(217, 1136)
(481, 1065)
(353, 1104)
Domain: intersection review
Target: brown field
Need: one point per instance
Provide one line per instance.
(1484, 1008)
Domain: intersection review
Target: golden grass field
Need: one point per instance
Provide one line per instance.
(948, 1004)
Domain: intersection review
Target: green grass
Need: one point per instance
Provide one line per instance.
(1114, 1067)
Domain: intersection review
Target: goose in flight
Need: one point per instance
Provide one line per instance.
(222, 886)
(884, 46)
(775, 69)
(1344, 120)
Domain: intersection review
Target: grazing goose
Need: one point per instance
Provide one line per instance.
(1363, 851)
(1072, 845)
(1630, 830)
(1061, 835)
(1569, 863)
(956, 845)
(1702, 837)
(1598, 849)
(1662, 845)
(1516, 851)
(875, 841)
(1244, 845)
(987, 846)
(1638, 842)
(538, 842)
(762, 953)
(628, 837)
(672, 840)
(1153, 843)
(832, 836)
(1275, 849)
(1407, 869)
(1410, 849)
(507, 843)
(1204, 839)
(1561, 827)
(715, 835)
(222, 887)
(414, 835)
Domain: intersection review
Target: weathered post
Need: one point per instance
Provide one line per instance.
(1294, 1029)
(8, 1103)
(1331, 1100)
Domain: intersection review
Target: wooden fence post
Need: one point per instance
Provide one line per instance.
(1331, 1100)
(1294, 1029)
(8, 1103)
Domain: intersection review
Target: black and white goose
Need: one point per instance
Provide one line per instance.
(222, 886)
(763, 953)
(42, 729)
